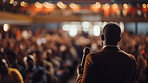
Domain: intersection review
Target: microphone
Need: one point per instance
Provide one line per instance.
(86, 51)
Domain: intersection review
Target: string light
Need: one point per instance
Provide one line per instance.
(106, 6)
(23, 4)
(61, 5)
(48, 5)
(144, 5)
(98, 5)
(74, 6)
(11, 1)
(125, 6)
(38, 5)
(95, 6)
(115, 6)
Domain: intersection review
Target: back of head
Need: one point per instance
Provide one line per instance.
(112, 33)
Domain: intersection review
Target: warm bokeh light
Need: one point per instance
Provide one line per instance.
(147, 5)
(96, 30)
(98, 4)
(61, 5)
(125, 6)
(45, 4)
(115, 6)
(144, 5)
(23, 4)
(6, 27)
(38, 5)
(48, 5)
(11, 1)
(106, 9)
(106, 6)
(95, 7)
(74, 6)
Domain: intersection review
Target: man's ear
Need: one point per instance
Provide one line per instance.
(102, 37)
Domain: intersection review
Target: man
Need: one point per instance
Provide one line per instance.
(9, 75)
(110, 65)
(34, 74)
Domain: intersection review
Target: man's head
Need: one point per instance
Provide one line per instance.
(111, 34)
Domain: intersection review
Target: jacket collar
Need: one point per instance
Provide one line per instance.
(111, 47)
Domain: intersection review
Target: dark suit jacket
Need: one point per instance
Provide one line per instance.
(110, 65)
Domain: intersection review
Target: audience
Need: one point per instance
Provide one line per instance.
(56, 55)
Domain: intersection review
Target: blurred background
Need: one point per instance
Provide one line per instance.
(58, 30)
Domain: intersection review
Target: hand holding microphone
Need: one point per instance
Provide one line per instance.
(86, 51)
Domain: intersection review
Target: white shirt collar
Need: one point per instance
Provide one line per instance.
(110, 46)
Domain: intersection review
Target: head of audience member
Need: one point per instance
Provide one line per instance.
(11, 56)
(3, 65)
(30, 62)
(111, 34)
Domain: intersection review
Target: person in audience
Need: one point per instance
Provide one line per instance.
(41, 61)
(11, 56)
(7, 74)
(34, 74)
(110, 65)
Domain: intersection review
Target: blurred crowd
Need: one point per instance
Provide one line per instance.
(137, 45)
(51, 56)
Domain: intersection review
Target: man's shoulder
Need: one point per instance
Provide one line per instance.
(93, 55)
(127, 54)
(102, 53)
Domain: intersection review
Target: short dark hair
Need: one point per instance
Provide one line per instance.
(112, 32)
